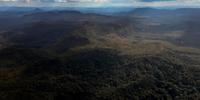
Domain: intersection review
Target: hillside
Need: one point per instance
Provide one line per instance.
(59, 55)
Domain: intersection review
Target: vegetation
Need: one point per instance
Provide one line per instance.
(90, 59)
(95, 74)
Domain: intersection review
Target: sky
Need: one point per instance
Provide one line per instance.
(102, 3)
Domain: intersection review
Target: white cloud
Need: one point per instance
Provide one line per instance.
(134, 3)
(8, 0)
(62, 1)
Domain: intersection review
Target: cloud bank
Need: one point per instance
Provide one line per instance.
(103, 3)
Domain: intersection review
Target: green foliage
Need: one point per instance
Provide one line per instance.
(95, 74)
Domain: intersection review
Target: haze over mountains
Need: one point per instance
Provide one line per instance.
(92, 54)
(179, 26)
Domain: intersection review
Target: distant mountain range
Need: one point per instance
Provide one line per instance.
(175, 25)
